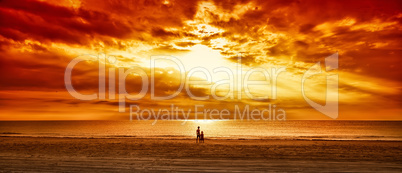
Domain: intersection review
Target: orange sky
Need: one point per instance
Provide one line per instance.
(39, 38)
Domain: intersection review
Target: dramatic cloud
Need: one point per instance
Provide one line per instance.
(38, 39)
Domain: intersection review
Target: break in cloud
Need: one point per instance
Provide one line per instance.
(39, 38)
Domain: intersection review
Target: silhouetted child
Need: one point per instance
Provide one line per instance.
(202, 137)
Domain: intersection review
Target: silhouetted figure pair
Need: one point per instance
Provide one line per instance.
(200, 136)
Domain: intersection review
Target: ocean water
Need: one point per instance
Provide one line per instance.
(289, 130)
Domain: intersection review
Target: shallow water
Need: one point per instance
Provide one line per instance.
(291, 130)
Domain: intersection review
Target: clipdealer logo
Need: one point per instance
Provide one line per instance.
(330, 108)
(236, 81)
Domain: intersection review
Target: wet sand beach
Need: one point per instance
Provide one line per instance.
(33, 154)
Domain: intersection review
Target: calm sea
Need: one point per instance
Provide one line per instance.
(291, 130)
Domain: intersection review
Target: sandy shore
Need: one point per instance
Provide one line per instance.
(155, 155)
